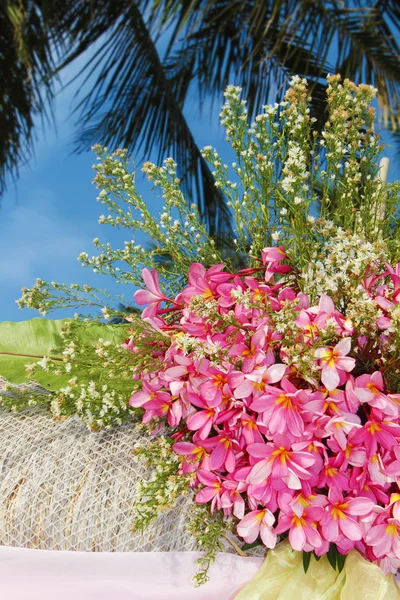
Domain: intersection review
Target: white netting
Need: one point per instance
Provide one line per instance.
(65, 488)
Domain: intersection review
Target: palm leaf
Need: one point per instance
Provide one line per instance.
(133, 103)
(26, 69)
(259, 44)
(27, 342)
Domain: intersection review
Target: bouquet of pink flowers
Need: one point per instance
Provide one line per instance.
(281, 409)
(267, 362)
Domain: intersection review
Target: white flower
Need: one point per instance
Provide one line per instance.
(43, 363)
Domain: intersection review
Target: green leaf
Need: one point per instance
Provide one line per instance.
(250, 546)
(306, 560)
(332, 556)
(340, 559)
(317, 558)
(28, 341)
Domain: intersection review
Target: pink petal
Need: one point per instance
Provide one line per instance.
(297, 538)
(184, 448)
(360, 506)
(137, 400)
(217, 456)
(150, 278)
(206, 477)
(344, 346)
(350, 529)
(249, 527)
(331, 530)
(330, 378)
(313, 537)
(197, 420)
(268, 536)
(258, 450)
(275, 373)
(244, 390)
(326, 305)
(175, 372)
(205, 495)
(145, 297)
(260, 472)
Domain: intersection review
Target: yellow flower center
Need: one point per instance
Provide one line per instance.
(337, 510)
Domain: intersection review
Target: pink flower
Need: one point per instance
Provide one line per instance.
(152, 296)
(255, 382)
(202, 421)
(373, 433)
(252, 355)
(195, 454)
(231, 499)
(223, 453)
(273, 254)
(334, 361)
(211, 492)
(301, 521)
(277, 461)
(281, 408)
(339, 513)
(385, 538)
(255, 523)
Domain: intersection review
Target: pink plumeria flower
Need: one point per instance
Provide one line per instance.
(339, 427)
(385, 538)
(256, 382)
(201, 420)
(301, 521)
(195, 454)
(252, 354)
(373, 433)
(334, 361)
(212, 491)
(281, 408)
(370, 389)
(225, 446)
(273, 254)
(255, 523)
(339, 512)
(231, 499)
(278, 461)
(152, 296)
(332, 477)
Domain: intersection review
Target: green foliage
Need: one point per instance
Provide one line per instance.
(209, 530)
(29, 342)
(162, 490)
(306, 560)
(81, 363)
(336, 560)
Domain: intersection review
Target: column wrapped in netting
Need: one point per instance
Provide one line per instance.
(63, 487)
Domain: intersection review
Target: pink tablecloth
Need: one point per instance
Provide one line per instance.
(47, 575)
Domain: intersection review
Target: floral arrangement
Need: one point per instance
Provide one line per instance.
(266, 364)
(279, 407)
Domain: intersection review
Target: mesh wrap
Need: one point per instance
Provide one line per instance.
(63, 487)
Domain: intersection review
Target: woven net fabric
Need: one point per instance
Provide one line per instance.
(63, 487)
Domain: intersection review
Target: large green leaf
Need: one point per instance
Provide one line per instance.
(28, 341)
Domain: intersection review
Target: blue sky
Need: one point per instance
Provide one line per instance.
(50, 215)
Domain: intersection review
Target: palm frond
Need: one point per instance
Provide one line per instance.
(261, 43)
(26, 69)
(134, 104)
